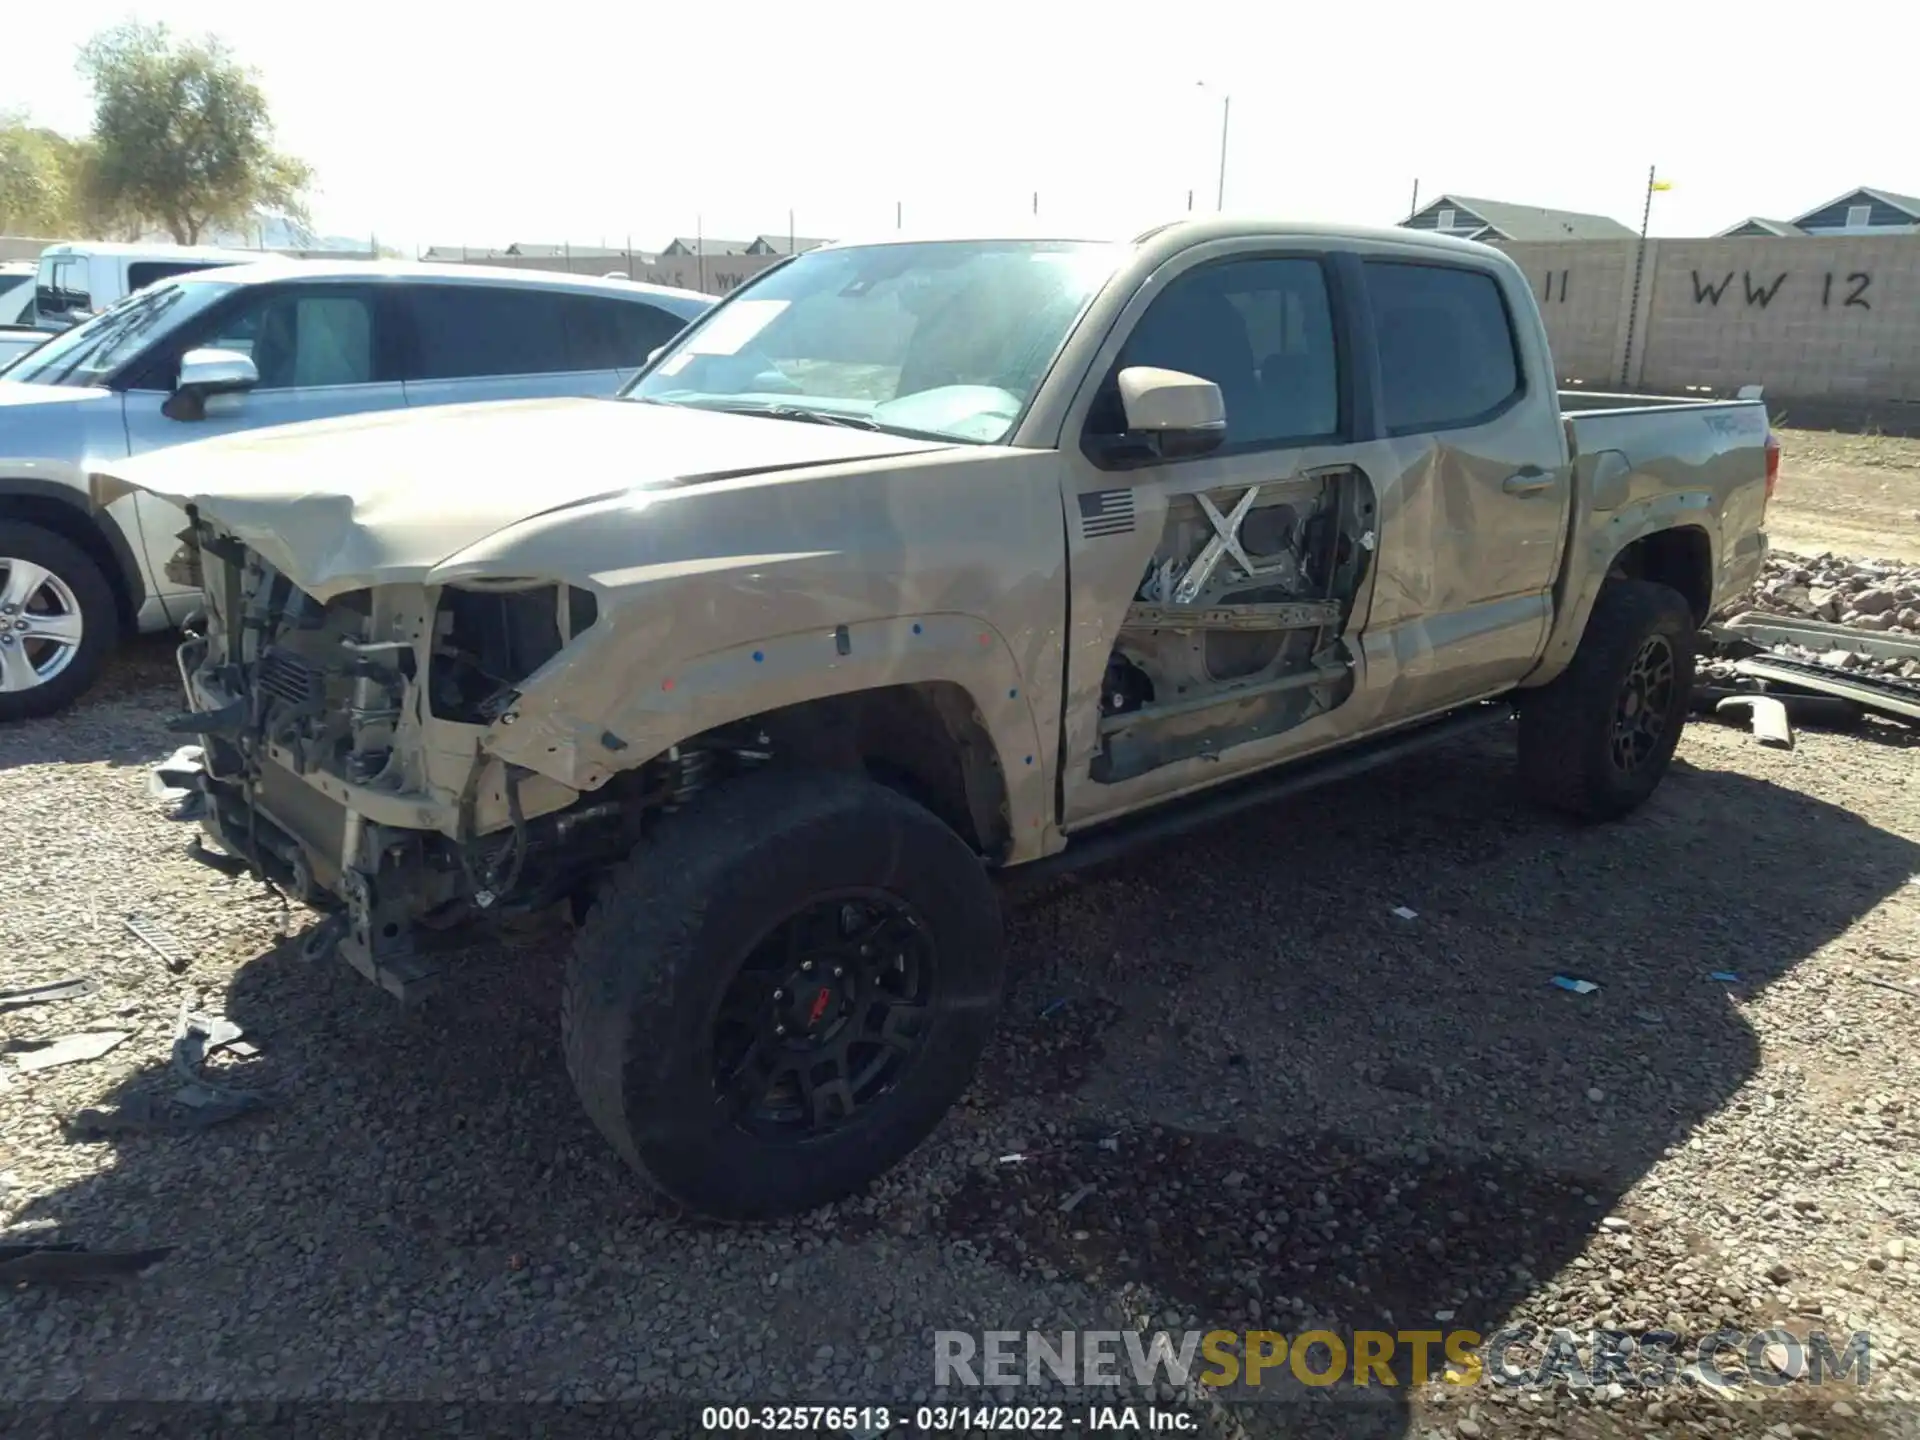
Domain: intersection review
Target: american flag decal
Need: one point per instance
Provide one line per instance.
(1106, 512)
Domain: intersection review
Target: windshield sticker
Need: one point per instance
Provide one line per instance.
(733, 327)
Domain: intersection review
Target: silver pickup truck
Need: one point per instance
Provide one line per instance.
(911, 566)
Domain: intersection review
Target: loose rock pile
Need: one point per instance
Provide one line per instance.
(1866, 594)
(1872, 596)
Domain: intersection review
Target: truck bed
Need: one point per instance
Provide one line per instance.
(1587, 401)
(1650, 429)
(1642, 464)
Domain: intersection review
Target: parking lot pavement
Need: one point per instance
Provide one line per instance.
(1243, 1090)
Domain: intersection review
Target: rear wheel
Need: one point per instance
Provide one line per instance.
(58, 621)
(1597, 740)
(782, 992)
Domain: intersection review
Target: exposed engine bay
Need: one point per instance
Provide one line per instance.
(342, 753)
(1235, 631)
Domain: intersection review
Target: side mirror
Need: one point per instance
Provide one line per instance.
(204, 373)
(1169, 414)
(215, 372)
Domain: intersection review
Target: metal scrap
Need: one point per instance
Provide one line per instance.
(1819, 635)
(1884, 697)
(68, 1049)
(65, 1263)
(195, 1038)
(70, 989)
(157, 938)
(199, 1103)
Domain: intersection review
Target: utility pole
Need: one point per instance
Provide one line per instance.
(790, 241)
(1639, 266)
(700, 250)
(1413, 206)
(1226, 114)
(898, 211)
(1226, 117)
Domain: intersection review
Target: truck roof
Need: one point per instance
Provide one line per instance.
(1187, 230)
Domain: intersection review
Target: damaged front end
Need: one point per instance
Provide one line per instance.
(343, 751)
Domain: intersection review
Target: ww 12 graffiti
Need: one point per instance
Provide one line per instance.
(1759, 291)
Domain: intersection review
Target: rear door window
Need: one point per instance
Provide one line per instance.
(1448, 356)
(465, 332)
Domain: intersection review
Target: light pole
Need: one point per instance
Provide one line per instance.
(1226, 116)
(1654, 182)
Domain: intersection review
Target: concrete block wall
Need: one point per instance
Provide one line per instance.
(718, 274)
(1581, 287)
(1822, 323)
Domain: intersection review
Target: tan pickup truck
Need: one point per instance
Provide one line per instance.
(911, 565)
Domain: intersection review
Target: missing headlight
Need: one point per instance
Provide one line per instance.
(486, 642)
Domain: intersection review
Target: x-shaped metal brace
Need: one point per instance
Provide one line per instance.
(1225, 542)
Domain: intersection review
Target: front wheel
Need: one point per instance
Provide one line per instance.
(1596, 741)
(781, 993)
(58, 621)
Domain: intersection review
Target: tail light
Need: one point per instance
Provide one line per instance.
(1773, 463)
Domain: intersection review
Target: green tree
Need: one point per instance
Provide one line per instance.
(39, 171)
(181, 135)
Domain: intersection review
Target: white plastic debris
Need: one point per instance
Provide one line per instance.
(1405, 913)
(181, 761)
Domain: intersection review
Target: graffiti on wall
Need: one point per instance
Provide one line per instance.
(1758, 291)
(1859, 280)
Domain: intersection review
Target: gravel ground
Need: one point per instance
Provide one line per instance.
(1855, 494)
(1292, 1106)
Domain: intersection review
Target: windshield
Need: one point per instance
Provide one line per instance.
(93, 350)
(947, 339)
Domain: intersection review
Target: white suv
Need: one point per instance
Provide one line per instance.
(240, 348)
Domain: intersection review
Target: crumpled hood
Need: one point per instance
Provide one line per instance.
(339, 505)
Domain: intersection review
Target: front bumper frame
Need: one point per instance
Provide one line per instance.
(372, 915)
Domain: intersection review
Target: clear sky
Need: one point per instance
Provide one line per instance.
(475, 123)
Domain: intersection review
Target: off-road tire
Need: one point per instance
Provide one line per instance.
(99, 618)
(1567, 726)
(672, 927)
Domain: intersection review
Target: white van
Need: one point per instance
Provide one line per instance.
(76, 281)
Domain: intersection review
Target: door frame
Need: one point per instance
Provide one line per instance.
(1151, 489)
